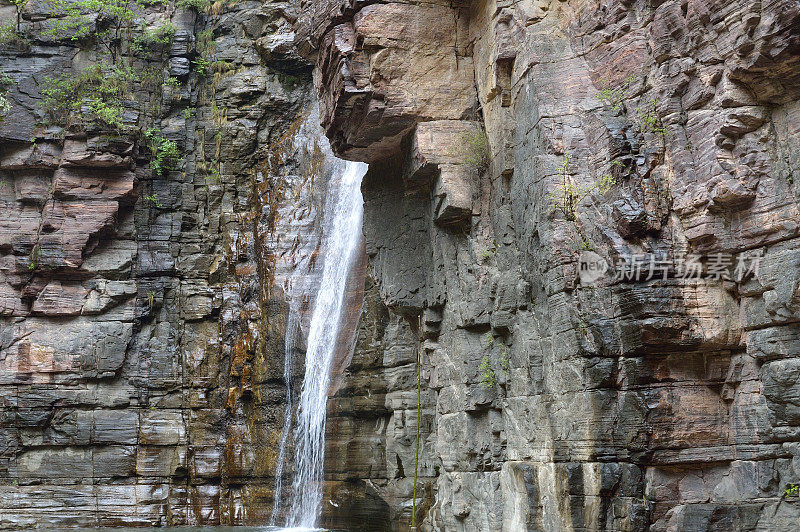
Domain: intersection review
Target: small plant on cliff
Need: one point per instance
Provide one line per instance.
(105, 21)
(165, 152)
(97, 92)
(487, 375)
(10, 31)
(157, 38)
(35, 253)
(489, 339)
(5, 106)
(615, 98)
(202, 66)
(792, 490)
(171, 82)
(567, 196)
(648, 120)
(153, 200)
(197, 5)
(489, 253)
(505, 360)
(10, 35)
(475, 148)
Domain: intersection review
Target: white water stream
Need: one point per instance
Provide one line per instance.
(340, 251)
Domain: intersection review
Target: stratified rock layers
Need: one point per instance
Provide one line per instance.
(141, 340)
(551, 402)
(142, 315)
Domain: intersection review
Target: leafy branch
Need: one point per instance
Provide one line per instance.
(615, 98)
(567, 196)
(165, 152)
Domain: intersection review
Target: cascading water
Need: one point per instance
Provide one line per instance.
(341, 245)
(292, 330)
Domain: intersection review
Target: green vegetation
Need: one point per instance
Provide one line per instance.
(97, 92)
(165, 152)
(505, 360)
(188, 113)
(197, 5)
(792, 490)
(288, 81)
(171, 82)
(5, 106)
(202, 66)
(10, 31)
(567, 196)
(153, 200)
(489, 253)
(204, 39)
(151, 298)
(648, 120)
(79, 20)
(9, 34)
(489, 339)
(487, 375)
(34, 256)
(157, 38)
(615, 98)
(475, 147)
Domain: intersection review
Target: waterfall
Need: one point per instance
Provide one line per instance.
(290, 339)
(341, 245)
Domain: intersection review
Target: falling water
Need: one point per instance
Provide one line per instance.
(290, 339)
(341, 245)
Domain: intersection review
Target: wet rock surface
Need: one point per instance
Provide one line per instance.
(143, 314)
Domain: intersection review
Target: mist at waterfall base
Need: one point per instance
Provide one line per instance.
(344, 208)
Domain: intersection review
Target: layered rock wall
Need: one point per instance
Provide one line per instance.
(665, 131)
(142, 315)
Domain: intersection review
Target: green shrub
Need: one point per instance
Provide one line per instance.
(157, 38)
(488, 379)
(205, 40)
(172, 82)
(153, 200)
(5, 106)
(567, 196)
(614, 98)
(34, 256)
(648, 120)
(75, 22)
(99, 89)
(202, 66)
(106, 113)
(476, 152)
(9, 34)
(197, 5)
(165, 152)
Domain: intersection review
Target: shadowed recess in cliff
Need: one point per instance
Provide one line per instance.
(341, 251)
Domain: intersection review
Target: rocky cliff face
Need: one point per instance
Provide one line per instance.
(616, 132)
(143, 307)
(142, 313)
